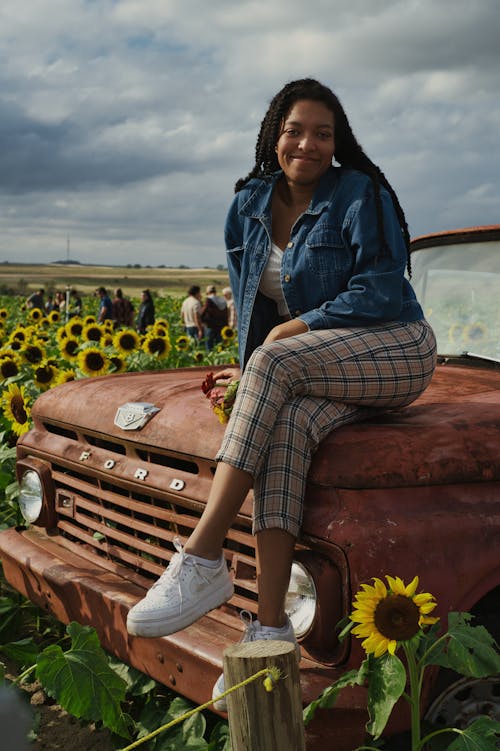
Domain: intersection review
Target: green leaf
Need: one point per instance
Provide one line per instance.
(328, 696)
(138, 683)
(82, 681)
(481, 735)
(471, 650)
(386, 683)
(24, 652)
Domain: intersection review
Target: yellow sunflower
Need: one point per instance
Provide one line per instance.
(89, 319)
(64, 376)
(93, 362)
(54, 316)
(388, 615)
(198, 356)
(35, 315)
(74, 327)
(118, 363)
(157, 345)
(45, 375)
(182, 343)
(92, 332)
(16, 409)
(33, 353)
(69, 348)
(126, 341)
(228, 334)
(4, 313)
(161, 323)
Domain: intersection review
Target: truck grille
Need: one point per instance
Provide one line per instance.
(120, 525)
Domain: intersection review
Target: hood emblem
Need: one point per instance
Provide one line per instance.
(134, 415)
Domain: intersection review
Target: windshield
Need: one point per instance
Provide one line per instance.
(458, 287)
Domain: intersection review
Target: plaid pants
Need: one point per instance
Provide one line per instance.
(295, 391)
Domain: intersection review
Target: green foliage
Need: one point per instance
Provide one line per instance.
(82, 681)
(467, 649)
(386, 681)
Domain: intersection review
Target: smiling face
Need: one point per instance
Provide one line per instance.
(306, 143)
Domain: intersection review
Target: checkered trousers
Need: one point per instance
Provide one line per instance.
(295, 391)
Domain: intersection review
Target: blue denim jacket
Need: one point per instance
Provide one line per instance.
(334, 273)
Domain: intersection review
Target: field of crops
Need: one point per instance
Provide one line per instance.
(40, 351)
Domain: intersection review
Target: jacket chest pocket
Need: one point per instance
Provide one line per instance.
(326, 253)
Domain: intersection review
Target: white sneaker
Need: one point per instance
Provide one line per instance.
(254, 632)
(184, 592)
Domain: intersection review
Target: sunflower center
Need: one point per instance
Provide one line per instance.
(8, 368)
(18, 410)
(396, 617)
(44, 375)
(71, 346)
(33, 354)
(127, 342)
(94, 361)
(157, 345)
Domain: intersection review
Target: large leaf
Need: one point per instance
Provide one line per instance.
(329, 695)
(482, 735)
(82, 681)
(386, 683)
(471, 650)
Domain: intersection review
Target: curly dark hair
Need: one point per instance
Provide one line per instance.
(348, 151)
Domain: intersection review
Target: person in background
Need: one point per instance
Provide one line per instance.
(191, 313)
(232, 318)
(123, 310)
(36, 300)
(49, 304)
(105, 312)
(214, 317)
(75, 303)
(330, 332)
(146, 316)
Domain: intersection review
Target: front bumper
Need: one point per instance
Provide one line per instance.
(189, 662)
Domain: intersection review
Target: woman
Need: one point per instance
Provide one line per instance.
(329, 331)
(146, 315)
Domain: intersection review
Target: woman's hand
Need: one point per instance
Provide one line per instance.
(286, 329)
(229, 374)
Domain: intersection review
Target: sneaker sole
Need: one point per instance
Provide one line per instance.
(154, 627)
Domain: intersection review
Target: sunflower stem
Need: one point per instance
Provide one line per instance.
(415, 684)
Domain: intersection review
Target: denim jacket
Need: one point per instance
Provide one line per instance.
(334, 273)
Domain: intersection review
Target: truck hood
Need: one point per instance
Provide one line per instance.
(450, 434)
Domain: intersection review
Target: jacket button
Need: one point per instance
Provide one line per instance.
(298, 312)
(289, 245)
(287, 277)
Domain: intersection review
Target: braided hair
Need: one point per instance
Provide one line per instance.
(348, 151)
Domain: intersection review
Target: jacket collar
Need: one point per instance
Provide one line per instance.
(258, 204)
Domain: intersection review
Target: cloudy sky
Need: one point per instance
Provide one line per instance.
(124, 124)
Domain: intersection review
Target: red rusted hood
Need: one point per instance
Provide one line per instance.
(451, 434)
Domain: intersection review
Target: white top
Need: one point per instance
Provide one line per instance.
(270, 281)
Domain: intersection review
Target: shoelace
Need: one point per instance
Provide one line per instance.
(173, 570)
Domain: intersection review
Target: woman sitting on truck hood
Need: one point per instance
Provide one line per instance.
(329, 330)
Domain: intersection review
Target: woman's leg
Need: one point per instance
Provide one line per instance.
(227, 493)
(274, 561)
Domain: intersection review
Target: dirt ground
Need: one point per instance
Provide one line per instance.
(56, 730)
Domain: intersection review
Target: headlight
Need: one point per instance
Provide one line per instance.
(300, 603)
(30, 496)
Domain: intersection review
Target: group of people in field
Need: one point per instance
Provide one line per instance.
(68, 303)
(205, 319)
(122, 312)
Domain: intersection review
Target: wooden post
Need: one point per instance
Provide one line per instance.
(260, 720)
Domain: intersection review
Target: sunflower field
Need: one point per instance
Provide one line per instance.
(38, 352)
